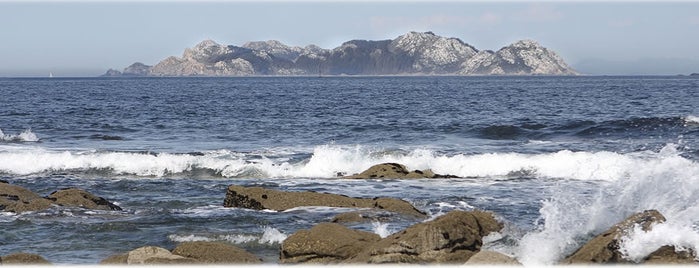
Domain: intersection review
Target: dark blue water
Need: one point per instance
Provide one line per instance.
(540, 151)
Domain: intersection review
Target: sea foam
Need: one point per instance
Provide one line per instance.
(269, 236)
(328, 161)
(25, 136)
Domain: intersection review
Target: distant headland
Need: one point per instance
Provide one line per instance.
(414, 53)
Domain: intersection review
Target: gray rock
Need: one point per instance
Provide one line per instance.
(259, 198)
(73, 197)
(604, 248)
(325, 243)
(18, 199)
(450, 238)
(215, 253)
(151, 255)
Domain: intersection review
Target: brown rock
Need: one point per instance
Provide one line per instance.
(23, 258)
(215, 252)
(325, 243)
(260, 198)
(116, 259)
(18, 199)
(487, 257)
(73, 197)
(604, 248)
(395, 171)
(450, 238)
(668, 255)
(347, 217)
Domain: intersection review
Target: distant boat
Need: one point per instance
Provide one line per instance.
(50, 74)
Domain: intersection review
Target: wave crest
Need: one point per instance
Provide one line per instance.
(25, 136)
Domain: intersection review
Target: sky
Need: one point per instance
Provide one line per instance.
(85, 38)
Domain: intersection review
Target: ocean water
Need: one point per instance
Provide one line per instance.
(557, 158)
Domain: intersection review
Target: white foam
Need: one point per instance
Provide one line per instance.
(381, 229)
(327, 161)
(665, 181)
(269, 236)
(691, 120)
(25, 136)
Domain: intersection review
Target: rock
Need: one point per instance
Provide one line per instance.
(395, 171)
(116, 259)
(23, 258)
(487, 257)
(450, 238)
(18, 199)
(215, 252)
(347, 217)
(668, 255)
(259, 198)
(604, 248)
(152, 255)
(325, 243)
(73, 197)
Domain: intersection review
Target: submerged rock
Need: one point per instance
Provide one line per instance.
(396, 171)
(450, 238)
(74, 197)
(18, 199)
(325, 243)
(215, 252)
(604, 248)
(260, 198)
(23, 258)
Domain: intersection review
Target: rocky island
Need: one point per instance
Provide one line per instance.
(414, 53)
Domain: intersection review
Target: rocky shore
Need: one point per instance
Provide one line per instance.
(456, 237)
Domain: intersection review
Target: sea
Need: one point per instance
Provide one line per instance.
(558, 159)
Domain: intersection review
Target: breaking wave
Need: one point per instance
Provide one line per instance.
(269, 236)
(24, 136)
(329, 161)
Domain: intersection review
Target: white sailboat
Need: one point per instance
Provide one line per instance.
(50, 74)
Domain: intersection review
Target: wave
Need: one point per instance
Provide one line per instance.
(269, 236)
(588, 128)
(665, 182)
(25, 136)
(329, 161)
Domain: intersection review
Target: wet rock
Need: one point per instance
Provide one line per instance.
(73, 197)
(152, 255)
(23, 258)
(215, 252)
(260, 198)
(396, 171)
(18, 199)
(450, 238)
(487, 257)
(604, 248)
(325, 243)
(669, 255)
(348, 217)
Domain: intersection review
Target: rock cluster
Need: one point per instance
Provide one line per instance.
(17, 199)
(23, 258)
(411, 53)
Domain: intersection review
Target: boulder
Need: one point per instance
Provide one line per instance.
(260, 198)
(604, 248)
(153, 255)
(215, 252)
(18, 199)
(348, 217)
(487, 257)
(325, 243)
(73, 197)
(395, 171)
(23, 258)
(450, 238)
(669, 255)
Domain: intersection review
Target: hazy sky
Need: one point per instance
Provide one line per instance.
(87, 38)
